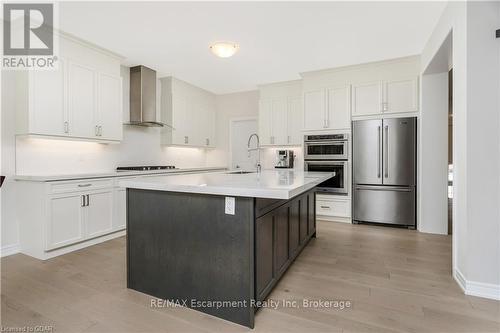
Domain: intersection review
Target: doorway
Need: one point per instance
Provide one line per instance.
(240, 131)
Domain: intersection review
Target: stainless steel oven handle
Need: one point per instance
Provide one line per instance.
(323, 143)
(327, 162)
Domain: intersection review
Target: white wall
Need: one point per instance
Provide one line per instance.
(476, 127)
(483, 225)
(433, 154)
(231, 106)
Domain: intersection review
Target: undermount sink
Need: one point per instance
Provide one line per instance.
(240, 172)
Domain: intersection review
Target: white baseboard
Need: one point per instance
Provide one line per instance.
(10, 250)
(479, 289)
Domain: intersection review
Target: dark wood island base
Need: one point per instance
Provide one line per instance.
(184, 248)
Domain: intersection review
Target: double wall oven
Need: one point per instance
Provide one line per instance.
(328, 152)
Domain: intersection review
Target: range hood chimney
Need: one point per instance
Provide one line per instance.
(143, 97)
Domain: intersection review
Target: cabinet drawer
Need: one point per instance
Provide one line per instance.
(81, 185)
(340, 208)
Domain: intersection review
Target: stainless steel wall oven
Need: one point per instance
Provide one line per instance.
(328, 152)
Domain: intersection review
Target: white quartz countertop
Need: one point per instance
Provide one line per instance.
(272, 184)
(50, 178)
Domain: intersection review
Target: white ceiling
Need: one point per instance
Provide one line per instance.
(277, 39)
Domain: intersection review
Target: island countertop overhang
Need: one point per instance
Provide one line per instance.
(270, 184)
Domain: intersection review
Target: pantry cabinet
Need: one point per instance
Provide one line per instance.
(280, 114)
(81, 98)
(189, 113)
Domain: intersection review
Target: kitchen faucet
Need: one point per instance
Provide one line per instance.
(256, 148)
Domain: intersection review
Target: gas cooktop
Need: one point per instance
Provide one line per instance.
(145, 168)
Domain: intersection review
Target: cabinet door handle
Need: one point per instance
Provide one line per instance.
(325, 207)
(84, 185)
(88, 200)
(66, 127)
(100, 130)
(208, 142)
(186, 139)
(83, 201)
(96, 130)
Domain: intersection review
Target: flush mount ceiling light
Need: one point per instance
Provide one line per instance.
(224, 49)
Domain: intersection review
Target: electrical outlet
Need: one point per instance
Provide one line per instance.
(230, 203)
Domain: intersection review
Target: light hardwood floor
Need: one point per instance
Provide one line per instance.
(397, 280)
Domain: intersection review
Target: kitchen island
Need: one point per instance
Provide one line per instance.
(218, 242)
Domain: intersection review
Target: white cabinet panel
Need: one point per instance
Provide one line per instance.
(120, 209)
(279, 122)
(65, 221)
(100, 213)
(190, 110)
(314, 109)
(180, 120)
(294, 120)
(265, 121)
(334, 207)
(48, 101)
(339, 108)
(109, 107)
(401, 95)
(367, 98)
(82, 108)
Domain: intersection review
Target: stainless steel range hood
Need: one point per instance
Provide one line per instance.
(143, 97)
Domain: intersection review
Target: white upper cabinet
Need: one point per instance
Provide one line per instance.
(333, 97)
(82, 101)
(280, 114)
(48, 103)
(314, 109)
(327, 108)
(294, 121)
(398, 95)
(109, 106)
(401, 95)
(265, 121)
(367, 98)
(81, 98)
(189, 113)
(338, 110)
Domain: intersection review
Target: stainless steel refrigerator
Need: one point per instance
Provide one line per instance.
(384, 171)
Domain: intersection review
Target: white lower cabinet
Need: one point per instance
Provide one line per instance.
(65, 220)
(64, 216)
(99, 213)
(333, 206)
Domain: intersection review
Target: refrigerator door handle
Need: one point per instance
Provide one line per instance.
(386, 152)
(378, 152)
(383, 188)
